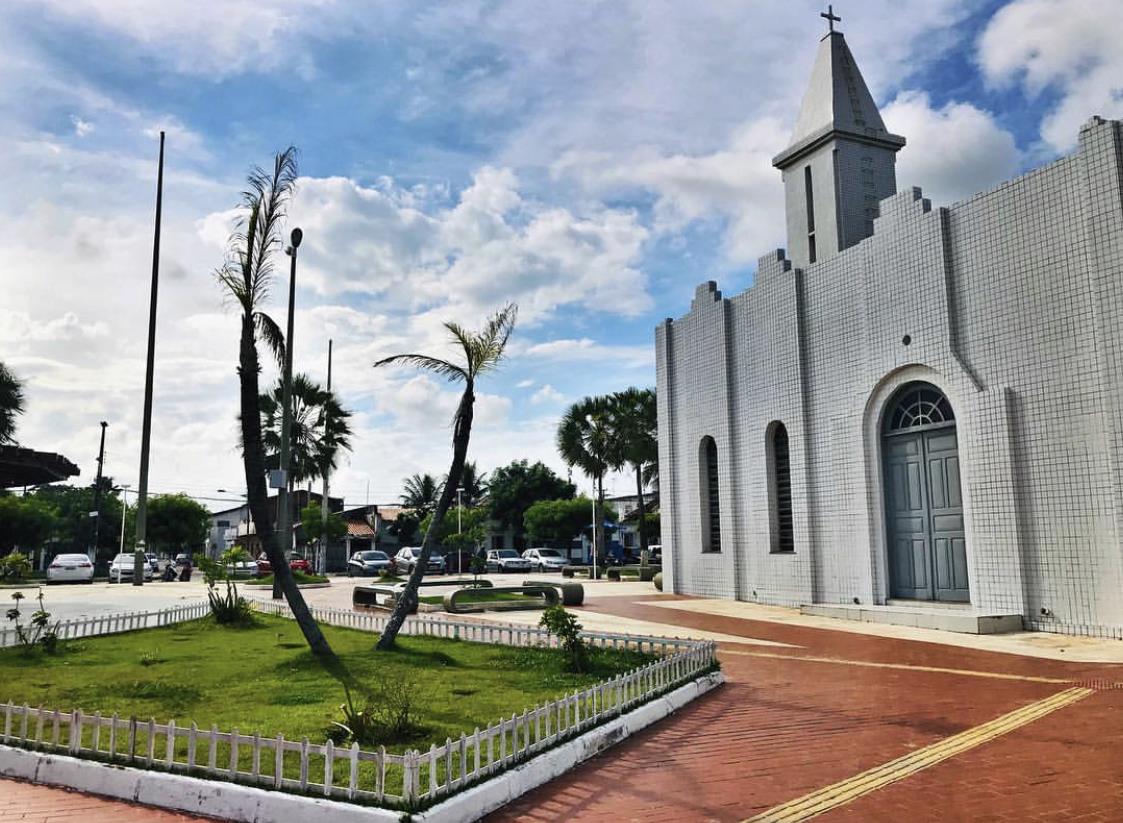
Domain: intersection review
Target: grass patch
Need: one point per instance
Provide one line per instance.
(262, 678)
(482, 596)
(300, 577)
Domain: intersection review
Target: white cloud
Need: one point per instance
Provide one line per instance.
(1068, 46)
(81, 127)
(585, 350)
(953, 152)
(547, 395)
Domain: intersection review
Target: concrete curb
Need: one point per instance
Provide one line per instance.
(249, 804)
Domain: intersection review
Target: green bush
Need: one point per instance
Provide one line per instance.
(15, 567)
(563, 625)
(38, 631)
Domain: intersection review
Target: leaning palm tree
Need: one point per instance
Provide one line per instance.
(419, 494)
(483, 351)
(11, 404)
(586, 439)
(246, 276)
(635, 429)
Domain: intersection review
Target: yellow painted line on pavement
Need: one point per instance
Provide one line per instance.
(905, 666)
(841, 793)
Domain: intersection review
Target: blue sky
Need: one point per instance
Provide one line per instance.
(592, 161)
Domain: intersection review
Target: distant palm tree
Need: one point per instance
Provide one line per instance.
(11, 404)
(473, 483)
(246, 276)
(420, 494)
(321, 429)
(483, 351)
(586, 439)
(635, 429)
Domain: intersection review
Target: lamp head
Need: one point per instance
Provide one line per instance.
(295, 238)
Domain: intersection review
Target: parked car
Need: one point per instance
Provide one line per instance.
(182, 559)
(264, 567)
(545, 560)
(299, 564)
(153, 562)
(406, 559)
(506, 560)
(122, 567)
(70, 568)
(370, 562)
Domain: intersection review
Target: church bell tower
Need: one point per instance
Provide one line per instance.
(841, 160)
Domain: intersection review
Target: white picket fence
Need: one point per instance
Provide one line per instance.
(114, 623)
(409, 780)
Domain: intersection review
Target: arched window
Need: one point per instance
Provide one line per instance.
(711, 504)
(917, 405)
(780, 491)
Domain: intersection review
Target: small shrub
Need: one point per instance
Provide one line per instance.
(388, 713)
(229, 608)
(563, 625)
(38, 631)
(15, 567)
(150, 658)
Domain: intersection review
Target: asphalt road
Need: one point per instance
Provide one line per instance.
(70, 601)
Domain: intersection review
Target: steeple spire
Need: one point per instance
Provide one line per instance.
(841, 158)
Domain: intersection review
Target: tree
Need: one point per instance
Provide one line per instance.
(514, 488)
(420, 494)
(25, 522)
(11, 404)
(74, 528)
(586, 440)
(246, 276)
(405, 526)
(321, 429)
(473, 485)
(315, 527)
(472, 529)
(483, 352)
(558, 521)
(635, 430)
(176, 522)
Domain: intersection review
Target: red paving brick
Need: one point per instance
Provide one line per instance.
(781, 728)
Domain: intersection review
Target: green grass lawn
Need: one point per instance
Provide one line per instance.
(298, 576)
(482, 596)
(263, 678)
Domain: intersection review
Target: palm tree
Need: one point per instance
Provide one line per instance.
(11, 404)
(473, 484)
(483, 351)
(320, 429)
(636, 432)
(246, 276)
(420, 494)
(586, 440)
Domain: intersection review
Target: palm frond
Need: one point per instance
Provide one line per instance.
(270, 332)
(450, 371)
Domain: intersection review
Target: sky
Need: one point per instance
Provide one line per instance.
(590, 160)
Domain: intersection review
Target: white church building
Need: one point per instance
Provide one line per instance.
(913, 404)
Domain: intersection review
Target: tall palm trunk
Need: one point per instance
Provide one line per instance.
(598, 524)
(460, 437)
(641, 509)
(258, 496)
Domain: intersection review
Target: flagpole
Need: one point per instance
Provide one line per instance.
(146, 432)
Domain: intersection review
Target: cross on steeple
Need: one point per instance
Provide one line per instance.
(830, 17)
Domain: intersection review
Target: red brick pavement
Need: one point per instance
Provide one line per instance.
(781, 728)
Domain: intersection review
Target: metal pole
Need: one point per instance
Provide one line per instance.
(97, 493)
(146, 431)
(327, 470)
(124, 514)
(459, 532)
(594, 531)
(284, 535)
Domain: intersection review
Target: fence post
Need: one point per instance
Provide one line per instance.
(113, 736)
(353, 779)
(233, 754)
(7, 721)
(169, 752)
(212, 750)
(151, 747)
(279, 761)
(192, 733)
(329, 766)
(255, 767)
(76, 731)
(304, 764)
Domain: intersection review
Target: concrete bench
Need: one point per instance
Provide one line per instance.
(368, 597)
(549, 595)
(572, 594)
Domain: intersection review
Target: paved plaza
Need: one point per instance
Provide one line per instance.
(820, 718)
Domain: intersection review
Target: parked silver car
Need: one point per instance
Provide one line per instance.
(506, 560)
(545, 560)
(407, 558)
(121, 569)
(70, 568)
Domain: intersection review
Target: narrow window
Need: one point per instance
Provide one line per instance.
(809, 193)
(711, 511)
(784, 532)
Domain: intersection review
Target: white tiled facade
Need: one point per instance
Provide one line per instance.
(1012, 305)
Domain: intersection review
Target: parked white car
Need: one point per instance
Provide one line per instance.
(506, 560)
(121, 569)
(70, 568)
(545, 560)
(407, 558)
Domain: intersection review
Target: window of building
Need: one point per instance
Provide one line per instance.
(711, 503)
(809, 194)
(780, 493)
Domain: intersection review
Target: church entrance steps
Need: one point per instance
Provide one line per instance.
(949, 617)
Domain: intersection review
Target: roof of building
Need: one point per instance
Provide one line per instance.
(359, 528)
(26, 467)
(837, 100)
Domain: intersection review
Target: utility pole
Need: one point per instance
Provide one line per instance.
(284, 533)
(124, 514)
(459, 530)
(327, 470)
(139, 559)
(97, 492)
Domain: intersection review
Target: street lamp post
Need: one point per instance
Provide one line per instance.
(124, 513)
(282, 483)
(459, 532)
